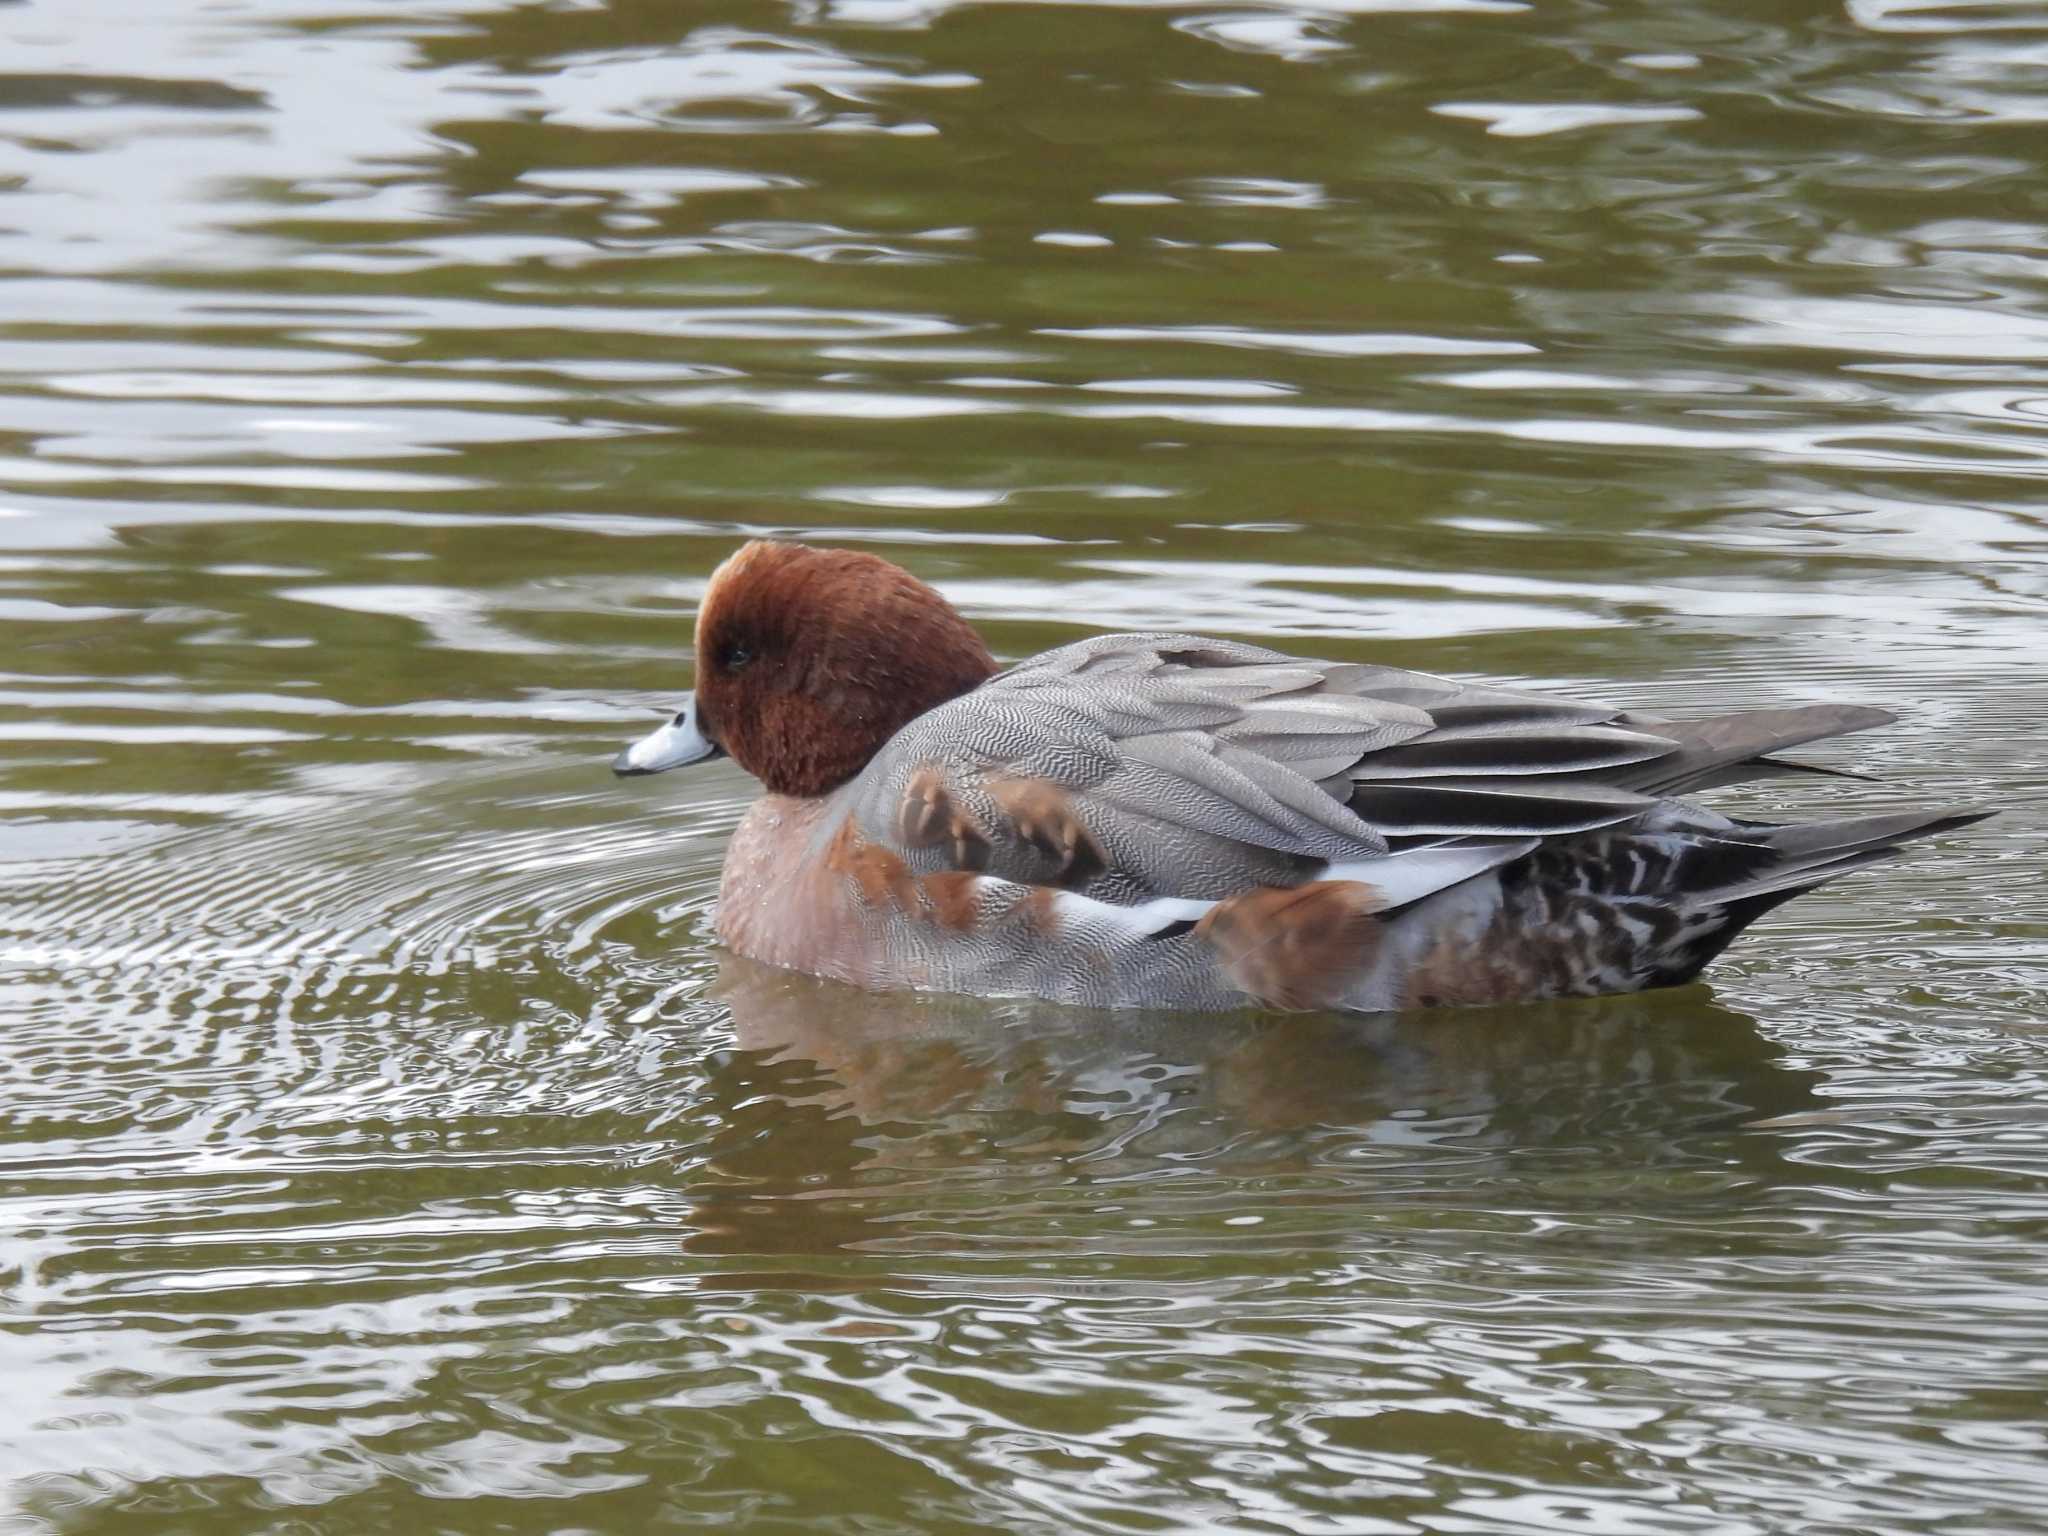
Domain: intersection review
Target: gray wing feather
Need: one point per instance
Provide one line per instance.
(1470, 752)
(1236, 794)
(1199, 766)
(1730, 748)
(1514, 807)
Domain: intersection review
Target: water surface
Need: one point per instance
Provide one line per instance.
(386, 1146)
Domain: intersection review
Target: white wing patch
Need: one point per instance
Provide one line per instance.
(1405, 877)
(1087, 915)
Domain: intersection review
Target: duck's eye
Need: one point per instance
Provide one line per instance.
(734, 656)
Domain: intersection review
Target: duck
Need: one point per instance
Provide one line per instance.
(1172, 822)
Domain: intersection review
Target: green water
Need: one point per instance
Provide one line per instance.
(386, 1147)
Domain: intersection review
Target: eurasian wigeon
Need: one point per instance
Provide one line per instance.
(1166, 821)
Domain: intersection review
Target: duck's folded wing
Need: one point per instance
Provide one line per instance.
(1129, 767)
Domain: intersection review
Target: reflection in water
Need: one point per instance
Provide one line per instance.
(834, 1102)
(1555, 1074)
(384, 1146)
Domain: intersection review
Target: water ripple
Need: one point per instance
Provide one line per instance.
(386, 1143)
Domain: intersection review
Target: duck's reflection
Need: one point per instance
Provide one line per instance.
(843, 1115)
(1531, 1073)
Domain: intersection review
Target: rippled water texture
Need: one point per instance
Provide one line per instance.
(384, 1144)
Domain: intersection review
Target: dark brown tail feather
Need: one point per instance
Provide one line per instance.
(1806, 855)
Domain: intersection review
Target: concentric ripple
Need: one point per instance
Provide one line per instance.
(223, 946)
